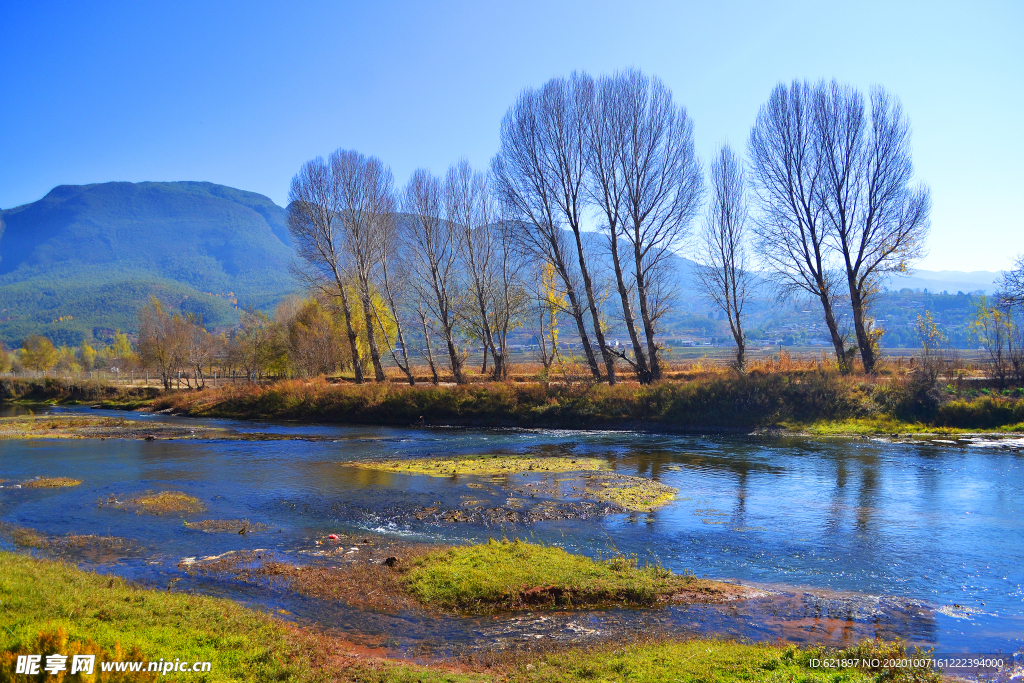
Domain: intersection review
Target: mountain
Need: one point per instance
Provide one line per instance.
(951, 281)
(82, 260)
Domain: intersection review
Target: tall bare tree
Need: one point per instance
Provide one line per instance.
(433, 256)
(470, 209)
(608, 129)
(723, 271)
(877, 221)
(791, 229)
(538, 175)
(314, 208)
(565, 112)
(367, 207)
(662, 189)
(392, 280)
(510, 300)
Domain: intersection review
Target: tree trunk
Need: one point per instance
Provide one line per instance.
(371, 340)
(645, 316)
(430, 353)
(833, 330)
(867, 348)
(609, 359)
(643, 373)
(350, 332)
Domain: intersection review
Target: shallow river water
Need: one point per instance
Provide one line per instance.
(851, 537)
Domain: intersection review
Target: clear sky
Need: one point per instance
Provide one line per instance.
(241, 93)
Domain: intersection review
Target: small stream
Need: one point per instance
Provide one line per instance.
(850, 538)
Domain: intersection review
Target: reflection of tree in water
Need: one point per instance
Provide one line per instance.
(868, 492)
(834, 519)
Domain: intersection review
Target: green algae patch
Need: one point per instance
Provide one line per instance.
(511, 575)
(635, 494)
(51, 483)
(485, 465)
(157, 503)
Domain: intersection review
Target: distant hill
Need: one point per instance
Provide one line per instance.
(951, 281)
(82, 260)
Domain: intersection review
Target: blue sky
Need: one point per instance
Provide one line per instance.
(243, 93)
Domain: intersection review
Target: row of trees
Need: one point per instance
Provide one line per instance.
(475, 255)
(38, 354)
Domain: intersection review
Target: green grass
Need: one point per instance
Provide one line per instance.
(704, 661)
(50, 607)
(887, 426)
(518, 575)
(40, 599)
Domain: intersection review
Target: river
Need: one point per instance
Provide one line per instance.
(922, 539)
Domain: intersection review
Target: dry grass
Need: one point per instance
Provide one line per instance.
(157, 503)
(51, 483)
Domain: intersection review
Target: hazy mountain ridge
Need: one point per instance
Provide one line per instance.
(92, 254)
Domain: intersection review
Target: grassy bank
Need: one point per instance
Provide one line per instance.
(799, 399)
(802, 399)
(49, 607)
(519, 575)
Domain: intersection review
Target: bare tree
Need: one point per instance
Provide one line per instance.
(314, 206)
(392, 278)
(537, 188)
(470, 209)
(564, 115)
(433, 256)
(723, 271)
(367, 206)
(608, 129)
(510, 301)
(878, 223)
(790, 229)
(1012, 284)
(426, 324)
(662, 189)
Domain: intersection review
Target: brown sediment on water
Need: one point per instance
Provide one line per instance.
(156, 503)
(99, 427)
(88, 547)
(50, 483)
(369, 575)
(361, 573)
(224, 526)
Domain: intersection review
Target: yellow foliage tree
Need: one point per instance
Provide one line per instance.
(38, 353)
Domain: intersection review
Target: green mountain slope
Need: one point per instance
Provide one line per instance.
(83, 259)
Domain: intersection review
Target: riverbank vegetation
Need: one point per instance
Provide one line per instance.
(708, 399)
(85, 613)
(807, 395)
(509, 575)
